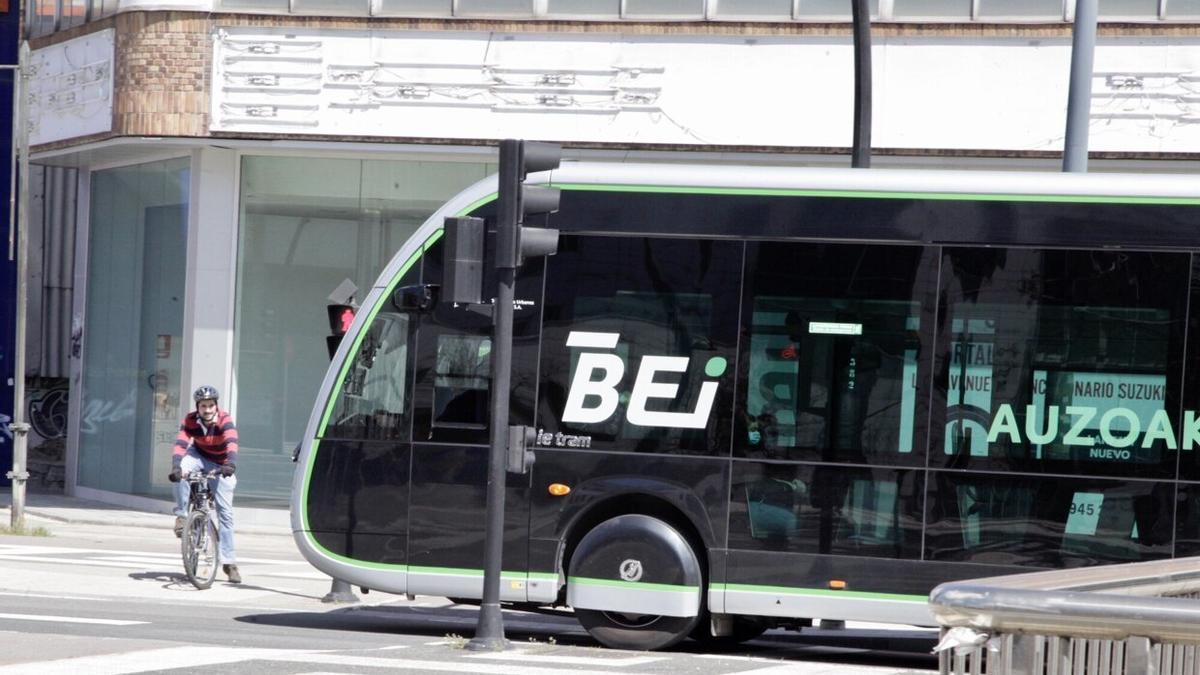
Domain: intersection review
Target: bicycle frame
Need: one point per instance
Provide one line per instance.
(199, 543)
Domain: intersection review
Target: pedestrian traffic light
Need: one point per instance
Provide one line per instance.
(340, 318)
(516, 241)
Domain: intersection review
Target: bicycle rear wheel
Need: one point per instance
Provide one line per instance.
(200, 558)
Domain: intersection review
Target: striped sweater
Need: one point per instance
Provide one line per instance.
(217, 442)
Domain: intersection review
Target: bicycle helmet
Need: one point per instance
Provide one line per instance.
(206, 392)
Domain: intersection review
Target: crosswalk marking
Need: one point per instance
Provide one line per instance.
(525, 656)
(143, 661)
(129, 560)
(68, 619)
(440, 666)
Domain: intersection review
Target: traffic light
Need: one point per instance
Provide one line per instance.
(462, 280)
(521, 441)
(517, 202)
(340, 318)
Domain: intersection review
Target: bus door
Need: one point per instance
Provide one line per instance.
(451, 434)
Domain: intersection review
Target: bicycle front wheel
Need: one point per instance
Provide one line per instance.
(200, 559)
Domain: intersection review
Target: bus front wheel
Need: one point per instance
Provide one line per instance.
(635, 582)
(643, 632)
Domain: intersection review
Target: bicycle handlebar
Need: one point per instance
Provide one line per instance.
(200, 476)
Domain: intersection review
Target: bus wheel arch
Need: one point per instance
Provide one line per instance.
(636, 581)
(626, 504)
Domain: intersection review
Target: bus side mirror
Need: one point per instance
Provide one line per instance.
(416, 298)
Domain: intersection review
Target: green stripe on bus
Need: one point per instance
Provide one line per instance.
(478, 203)
(471, 572)
(821, 592)
(879, 194)
(632, 585)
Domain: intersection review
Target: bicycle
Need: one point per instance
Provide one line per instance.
(199, 541)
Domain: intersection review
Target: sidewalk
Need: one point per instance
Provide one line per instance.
(156, 514)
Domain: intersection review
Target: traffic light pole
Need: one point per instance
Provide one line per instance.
(489, 631)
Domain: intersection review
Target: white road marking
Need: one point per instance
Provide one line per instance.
(76, 561)
(526, 657)
(52, 596)
(811, 668)
(69, 619)
(146, 660)
(452, 666)
(107, 553)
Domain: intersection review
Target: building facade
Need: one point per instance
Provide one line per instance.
(208, 172)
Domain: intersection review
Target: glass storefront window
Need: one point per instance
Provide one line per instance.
(132, 361)
(307, 226)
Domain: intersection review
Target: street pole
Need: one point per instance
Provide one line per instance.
(489, 632)
(20, 428)
(860, 151)
(1079, 93)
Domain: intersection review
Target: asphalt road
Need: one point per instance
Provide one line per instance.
(96, 599)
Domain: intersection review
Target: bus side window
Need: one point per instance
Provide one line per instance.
(373, 401)
(461, 381)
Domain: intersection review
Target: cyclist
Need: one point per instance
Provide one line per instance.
(207, 441)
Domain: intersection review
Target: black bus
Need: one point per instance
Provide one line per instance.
(765, 395)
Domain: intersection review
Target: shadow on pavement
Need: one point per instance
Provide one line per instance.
(171, 580)
(905, 649)
(428, 621)
(251, 587)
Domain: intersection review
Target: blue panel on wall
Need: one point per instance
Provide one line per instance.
(8, 268)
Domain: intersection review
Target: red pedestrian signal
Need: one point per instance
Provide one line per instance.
(340, 319)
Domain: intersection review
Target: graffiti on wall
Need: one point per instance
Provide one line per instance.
(47, 410)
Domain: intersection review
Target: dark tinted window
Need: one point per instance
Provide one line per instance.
(1187, 535)
(452, 365)
(462, 381)
(1046, 522)
(1189, 456)
(1060, 361)
(834, 355)
(637, 349)
(373, 400)
(803, 508)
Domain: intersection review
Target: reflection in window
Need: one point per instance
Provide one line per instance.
(650, 324)
(372, 403)
(822, 509)
(1063, 356)
(1048, 522)
(461, 382)
(1047, 9)
(638, 342)
(957, 10)
(671, 8)
(831, 360)
(839, 9)
(597, 8)
(757, 9)
(831, 375)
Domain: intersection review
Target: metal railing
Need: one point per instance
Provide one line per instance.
(1129, 619)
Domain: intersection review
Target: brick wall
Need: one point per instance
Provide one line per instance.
(161, 80)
